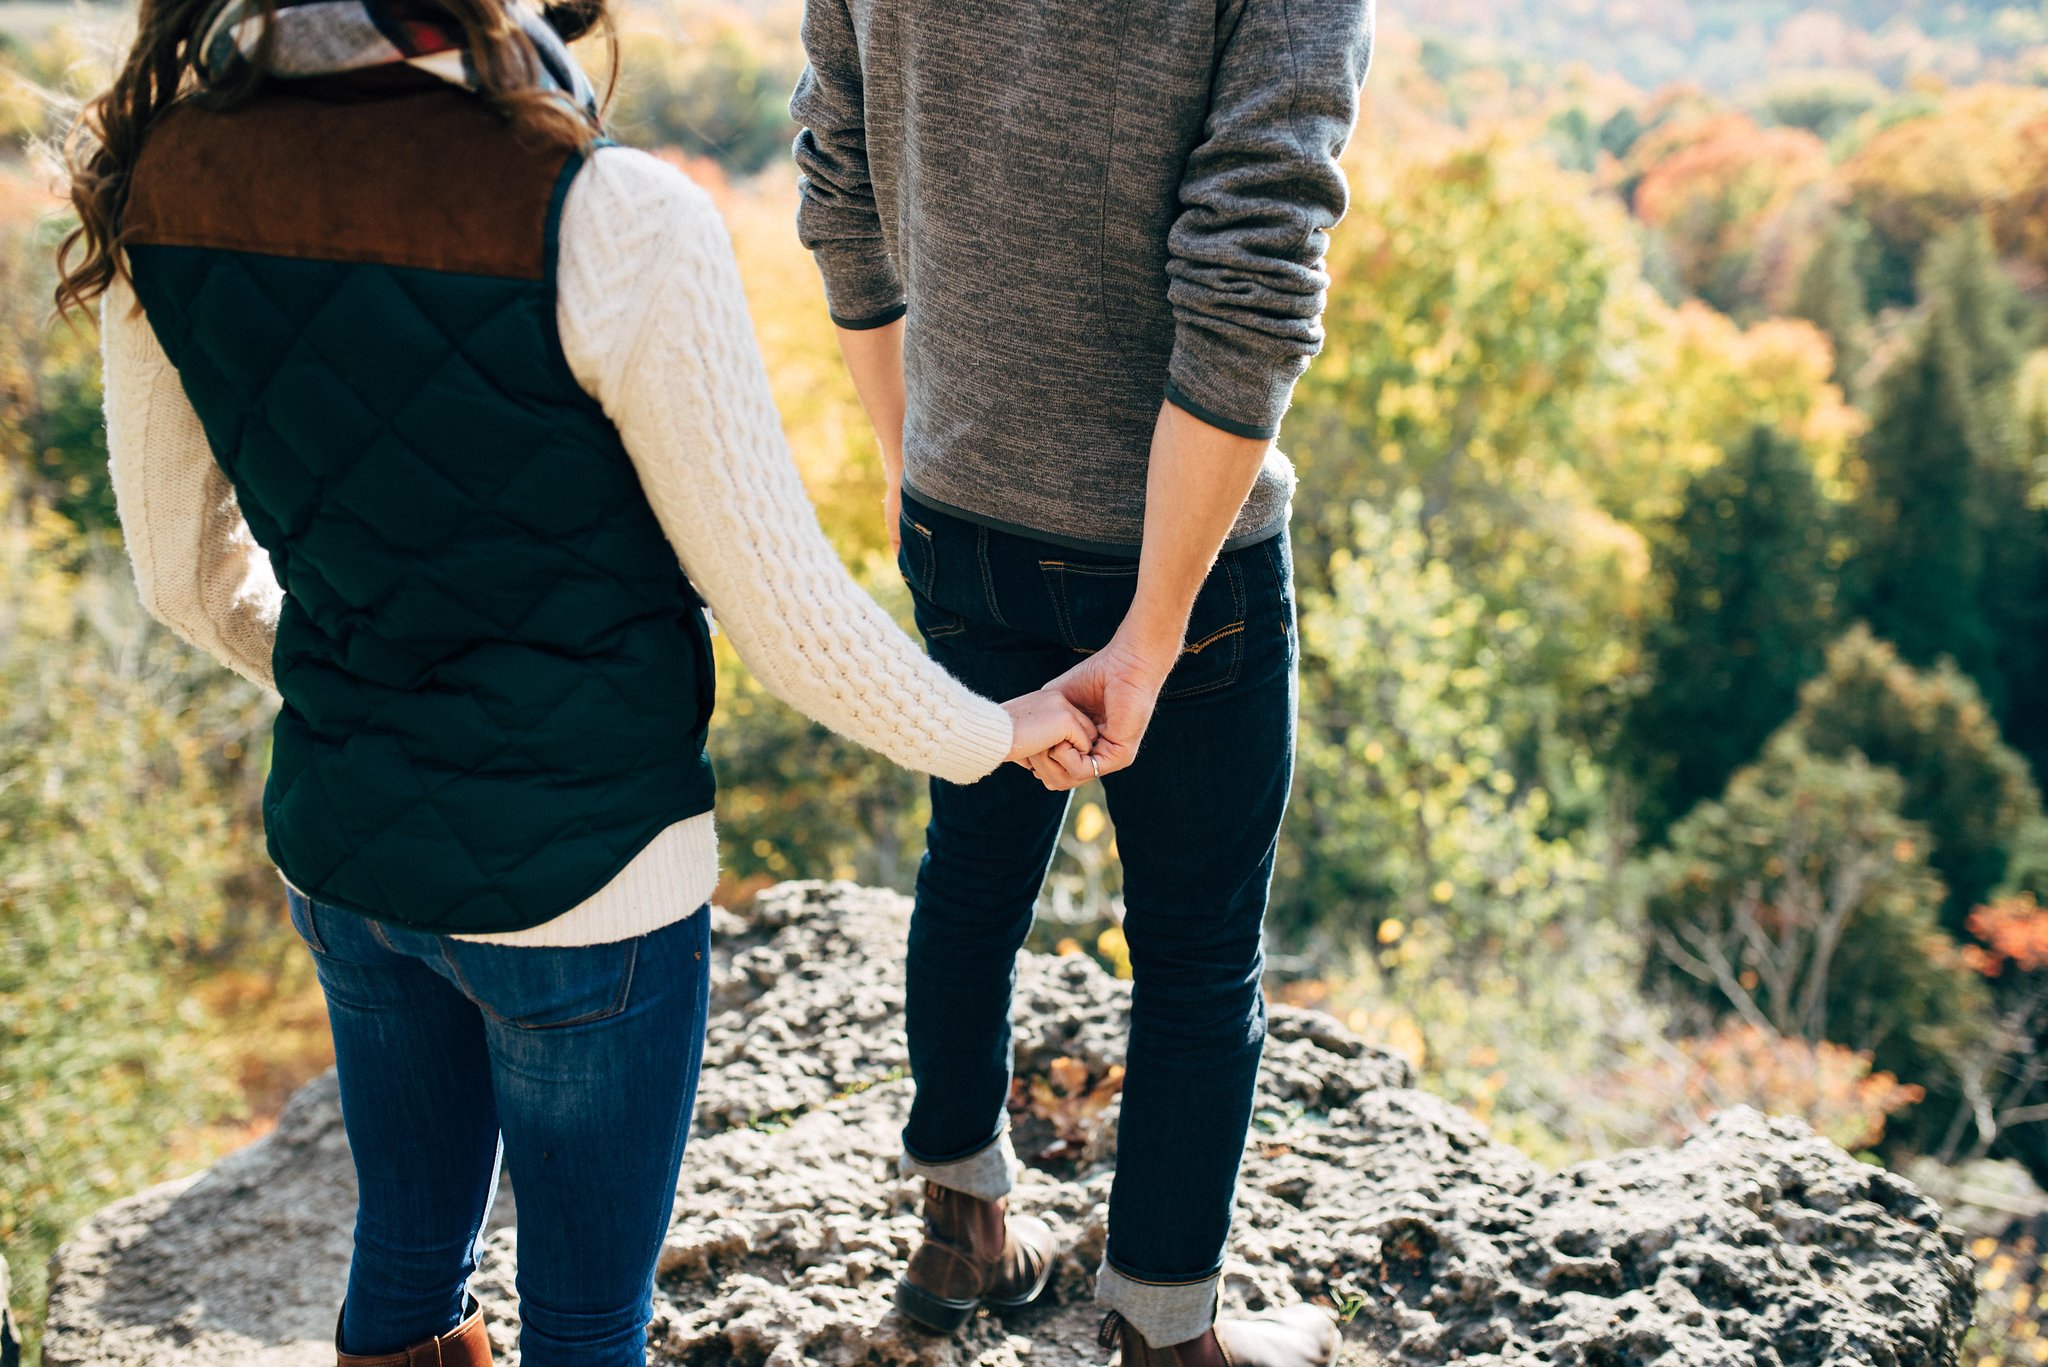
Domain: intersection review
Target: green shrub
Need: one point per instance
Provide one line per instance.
(722, 93)
(122, 827)
(1411, 802)
(1801, 901)
(1971, 791)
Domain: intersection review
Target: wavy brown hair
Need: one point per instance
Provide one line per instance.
(102, 146)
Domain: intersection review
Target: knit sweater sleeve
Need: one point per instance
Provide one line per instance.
(1259, 196)
(197, 567)
(656, 328)
(836, 215)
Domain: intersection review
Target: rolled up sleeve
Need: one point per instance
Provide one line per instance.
(1258, 199)
(836, 215)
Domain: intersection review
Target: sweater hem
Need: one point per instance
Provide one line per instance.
(312, 892)
(667, 882)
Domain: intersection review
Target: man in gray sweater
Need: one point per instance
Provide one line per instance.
(1074, 252)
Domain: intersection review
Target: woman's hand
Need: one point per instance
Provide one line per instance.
(1042, 721)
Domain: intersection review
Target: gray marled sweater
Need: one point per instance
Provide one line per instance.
(1085, 206)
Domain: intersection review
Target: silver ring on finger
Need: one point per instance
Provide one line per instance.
(1096, 764)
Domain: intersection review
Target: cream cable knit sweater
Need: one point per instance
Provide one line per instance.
(656, 328)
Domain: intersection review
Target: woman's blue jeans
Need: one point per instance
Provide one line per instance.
(579, 1066)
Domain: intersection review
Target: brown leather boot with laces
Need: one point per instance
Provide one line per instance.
(974, 1253)
(468, 1344)
(1299, 1336)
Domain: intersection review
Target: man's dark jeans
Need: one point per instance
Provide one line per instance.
(1196, 820)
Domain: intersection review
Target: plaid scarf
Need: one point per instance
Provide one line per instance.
(324, 37)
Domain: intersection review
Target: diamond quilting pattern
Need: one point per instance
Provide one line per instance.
(489, 656)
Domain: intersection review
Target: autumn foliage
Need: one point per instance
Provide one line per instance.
(1829, 1086)
(2012, 935)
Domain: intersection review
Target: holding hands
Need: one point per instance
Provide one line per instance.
(1045, 722)
(1087, 723)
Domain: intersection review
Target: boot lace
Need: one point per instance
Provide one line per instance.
(1112, 1331)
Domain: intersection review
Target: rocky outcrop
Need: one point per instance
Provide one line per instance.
(1752, 1243)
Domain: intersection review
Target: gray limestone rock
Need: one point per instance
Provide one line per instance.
(1752, 1244)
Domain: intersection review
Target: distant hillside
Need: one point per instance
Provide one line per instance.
(1727, 45)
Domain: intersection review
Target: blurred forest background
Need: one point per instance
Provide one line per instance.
(1674, 554)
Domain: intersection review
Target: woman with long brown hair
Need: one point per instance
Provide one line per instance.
(445, 418)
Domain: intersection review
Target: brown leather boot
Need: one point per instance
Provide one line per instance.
(974, 1253)
(1299, 1336)
(466, 1345)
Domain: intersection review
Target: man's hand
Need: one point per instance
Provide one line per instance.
(1044, 721)
(1119, 687)
(1051, 737)
(1196, 484)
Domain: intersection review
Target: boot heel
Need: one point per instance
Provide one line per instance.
(936, 1313)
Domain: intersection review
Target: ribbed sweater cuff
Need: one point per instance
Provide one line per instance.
(981, 742)
(861, 286)
(1243, 394)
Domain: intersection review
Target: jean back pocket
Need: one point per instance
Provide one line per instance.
(544, 988)
(1090, 602)
(917, 560)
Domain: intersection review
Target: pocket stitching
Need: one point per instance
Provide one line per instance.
(988, 581)
(1234, 632)
(922, 592)
(1059, 604)
(618, 1002)
(930, 556)
(1106, 571)
(1211, 639)
(310, 930)
(1283, 594)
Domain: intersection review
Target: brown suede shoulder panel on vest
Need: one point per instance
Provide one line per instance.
(426, 177)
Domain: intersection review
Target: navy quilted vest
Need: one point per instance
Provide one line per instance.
(496, 679)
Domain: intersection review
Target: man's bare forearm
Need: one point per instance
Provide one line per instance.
(874, 357)
(1195, 487)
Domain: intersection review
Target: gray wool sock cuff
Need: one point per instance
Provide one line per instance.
(988, 1173)
(1165, 1313)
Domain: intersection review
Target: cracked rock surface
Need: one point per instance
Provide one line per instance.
(1752, 1244)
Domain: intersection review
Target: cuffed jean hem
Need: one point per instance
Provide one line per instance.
(1165, 1313)
(988, 1173)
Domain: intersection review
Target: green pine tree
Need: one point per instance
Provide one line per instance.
(2021, 581)
(1921, 567)
(1830, 295)
(1751, 603)
(1952, 560)
(1961, 278)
